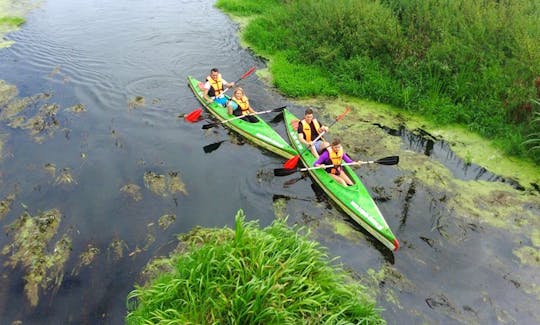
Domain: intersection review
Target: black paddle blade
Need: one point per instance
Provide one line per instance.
(284, 171)
(212, 146)
(209, 125)
(392, 160)
(277, 119)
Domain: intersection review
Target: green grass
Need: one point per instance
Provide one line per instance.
(470, 63)
(249, 275)
(12, 21)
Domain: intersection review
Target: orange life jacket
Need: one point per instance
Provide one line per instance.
(243, 103)
(307, 129)
(335, 158)
(216, 85)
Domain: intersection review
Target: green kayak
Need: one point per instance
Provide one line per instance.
(259, 133)
(354, 200)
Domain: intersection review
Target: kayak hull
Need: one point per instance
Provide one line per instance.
(259, 133)
(354, 200)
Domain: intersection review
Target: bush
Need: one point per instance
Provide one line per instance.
(251, 276)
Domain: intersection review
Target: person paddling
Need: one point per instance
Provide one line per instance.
(334, 155)
(239, 105)
(308, 130)
(214, 87)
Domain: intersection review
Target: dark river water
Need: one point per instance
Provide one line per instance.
(103, 55)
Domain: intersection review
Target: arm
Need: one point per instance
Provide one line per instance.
(322, 158)
(250, 109)
(231, 106)
(347, 159)
(301, 135)
(205, 93)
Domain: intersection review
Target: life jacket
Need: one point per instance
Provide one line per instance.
(335, 159)
(216, 86)
(307, 129)
(243, 104)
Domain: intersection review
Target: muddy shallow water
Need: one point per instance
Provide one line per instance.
(98, 169)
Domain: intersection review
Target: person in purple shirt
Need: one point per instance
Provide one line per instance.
(334, 155)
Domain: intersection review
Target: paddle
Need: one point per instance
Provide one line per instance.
(211, 125)
(293, 162)
(212, 146)
(194, 115)
(392, 160)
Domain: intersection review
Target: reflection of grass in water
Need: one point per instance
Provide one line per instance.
(31, 240)
(250, 276)
(164, 185)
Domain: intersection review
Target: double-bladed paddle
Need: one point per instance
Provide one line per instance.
(211, 125)
(293, 162)
(193, 116)
(392, 160)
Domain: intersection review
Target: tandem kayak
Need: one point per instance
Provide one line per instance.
(355, 200)
(259, 133)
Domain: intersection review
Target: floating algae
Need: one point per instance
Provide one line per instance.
(50, 168)
(133, 190)
(137, 101)
(79, 108)
(86, 258)
(166, 220)
(31, 239)
(164, 185)
(5, 205)
(116, 249)
(65, 177)
(175, 184)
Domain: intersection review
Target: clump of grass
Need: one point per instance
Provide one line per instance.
(12, 21)
(251, 276)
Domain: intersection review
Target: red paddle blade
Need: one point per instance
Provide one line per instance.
(292, 163)
(250, 71)
(193, 116)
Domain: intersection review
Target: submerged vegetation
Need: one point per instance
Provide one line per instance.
(249, 275)
(32, 249)
(469, 63)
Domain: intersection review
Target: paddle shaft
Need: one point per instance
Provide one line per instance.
(245, 75)
(209, 125)
(322, 133)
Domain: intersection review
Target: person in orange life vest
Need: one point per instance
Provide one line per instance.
(214, 86)
(334, 156)
(309, 129)
(239, 105)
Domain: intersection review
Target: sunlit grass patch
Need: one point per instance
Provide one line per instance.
(248, 275)
(12, 21)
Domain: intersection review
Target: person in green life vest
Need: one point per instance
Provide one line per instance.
(308, 130)
(334, 155)
(214, 87)
(239, 106)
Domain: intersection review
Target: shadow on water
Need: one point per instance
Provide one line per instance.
(421, 141)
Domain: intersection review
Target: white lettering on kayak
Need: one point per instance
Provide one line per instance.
(270, 140)
(367, 215)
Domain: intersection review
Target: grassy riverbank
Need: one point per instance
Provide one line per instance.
(471, 64)
(249, 275)
(11, 18)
